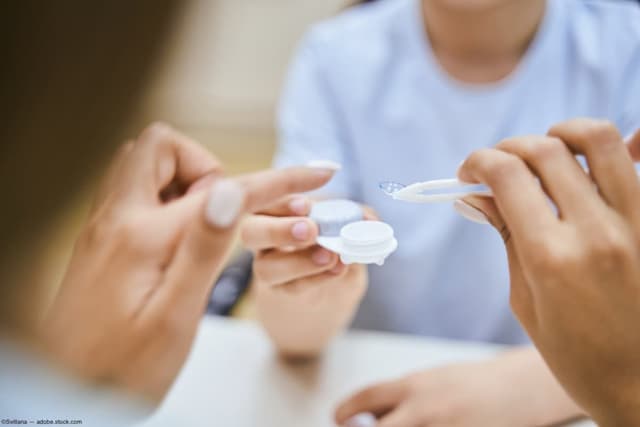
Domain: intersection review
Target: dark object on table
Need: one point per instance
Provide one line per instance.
(231, 285)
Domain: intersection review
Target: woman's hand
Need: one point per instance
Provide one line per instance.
(304, 294)
(575, 269)
(144, 265)
(514, 389)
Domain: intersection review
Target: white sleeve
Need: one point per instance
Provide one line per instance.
(310, 126)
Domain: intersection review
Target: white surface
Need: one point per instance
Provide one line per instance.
(233, 379)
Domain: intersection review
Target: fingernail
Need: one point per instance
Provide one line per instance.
(321, 257)
(469, 212)
(324, 164)
(300, 230)
(361, 420)
(299, 206)
(225, 203)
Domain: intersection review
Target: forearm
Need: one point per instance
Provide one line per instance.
(299, 333)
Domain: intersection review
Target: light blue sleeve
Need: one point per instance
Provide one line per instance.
(310, 126)
(630, 114)
(629, 119)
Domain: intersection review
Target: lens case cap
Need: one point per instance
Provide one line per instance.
(343, 231)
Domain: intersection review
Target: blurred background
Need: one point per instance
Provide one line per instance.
(219, 82)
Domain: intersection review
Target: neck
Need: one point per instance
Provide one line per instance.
(492, 39)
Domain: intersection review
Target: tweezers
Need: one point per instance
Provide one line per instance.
(414, 192)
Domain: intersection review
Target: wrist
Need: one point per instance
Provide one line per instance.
(297, 345)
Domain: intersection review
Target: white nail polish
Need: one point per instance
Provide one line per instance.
(226, 199)
(324, 164)
(361, 420)
(469, 212)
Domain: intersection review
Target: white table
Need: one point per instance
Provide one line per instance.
(234, 379)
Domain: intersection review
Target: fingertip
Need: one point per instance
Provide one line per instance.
(322, 170)
(301, 231)
(470, 212)
(370, 214)
(487, 211)
(324, 165)
(350, 407)
(225, 203)
(463, 174)
(365, 419)
(304, 231)
(300, 205)
(156, 130)
(339, 268)
(341, 414)
(633, 144)
(323, 257)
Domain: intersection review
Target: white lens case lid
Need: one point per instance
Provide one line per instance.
(343, 231)
(362, 242)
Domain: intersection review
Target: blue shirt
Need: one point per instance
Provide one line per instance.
(366, 90)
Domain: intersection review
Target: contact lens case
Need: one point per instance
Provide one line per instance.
(344, 231)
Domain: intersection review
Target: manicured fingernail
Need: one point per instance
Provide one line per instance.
(469, 212)
(226, 199)
(321, 257)
(324, 164)
(300, 231)
(299, 206)
(361, 420)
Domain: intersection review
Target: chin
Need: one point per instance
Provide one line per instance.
(472, 5)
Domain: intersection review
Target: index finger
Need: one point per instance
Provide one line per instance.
(266, 187)
(518, 195)
(378, 400)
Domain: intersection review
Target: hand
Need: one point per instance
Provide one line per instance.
(304, 294)
(143, 267)
(514, 389)
(575, 273)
